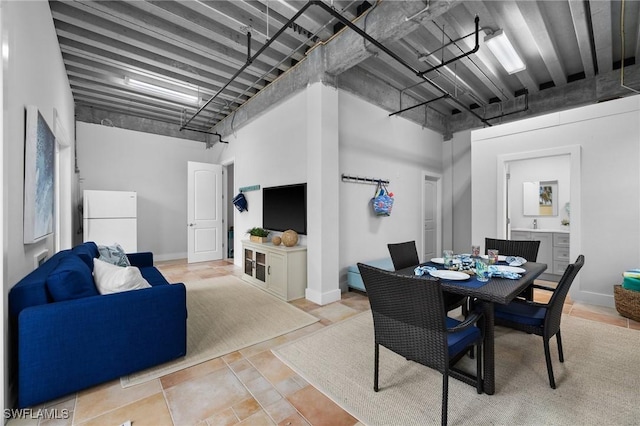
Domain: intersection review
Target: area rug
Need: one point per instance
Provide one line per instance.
(597, 384)
(226, 314)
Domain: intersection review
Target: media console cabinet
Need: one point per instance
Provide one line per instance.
(279, 270)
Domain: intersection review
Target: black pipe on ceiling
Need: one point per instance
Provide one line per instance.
(394, 56)
(358, 31)
(464, 55)
(419, 105)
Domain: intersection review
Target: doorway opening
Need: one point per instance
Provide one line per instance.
(431, 216)
(229, 207)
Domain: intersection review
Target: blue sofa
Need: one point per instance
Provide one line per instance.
(65, 346)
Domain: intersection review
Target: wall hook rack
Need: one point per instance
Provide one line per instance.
(249, 188)
(358, 179)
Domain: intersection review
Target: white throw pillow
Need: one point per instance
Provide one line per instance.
(114, 279)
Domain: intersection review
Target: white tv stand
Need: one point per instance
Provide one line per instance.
(279, 270)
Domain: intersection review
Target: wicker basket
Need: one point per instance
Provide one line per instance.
(627, 302)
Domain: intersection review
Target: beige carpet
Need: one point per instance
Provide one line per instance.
(598, 384)
(226, 314)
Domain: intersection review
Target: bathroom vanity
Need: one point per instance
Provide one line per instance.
(554, 249)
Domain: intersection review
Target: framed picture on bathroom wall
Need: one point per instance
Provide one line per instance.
(540, 198)
(39, 175)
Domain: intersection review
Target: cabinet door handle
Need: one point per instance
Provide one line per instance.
(269, 270)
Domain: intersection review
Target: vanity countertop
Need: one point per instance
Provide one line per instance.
(561, 231)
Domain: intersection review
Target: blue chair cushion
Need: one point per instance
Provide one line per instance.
(521, 313)
(71, 279)
(460, 340)
(354, 280)
(385, 263)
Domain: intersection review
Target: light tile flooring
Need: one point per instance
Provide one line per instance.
(248, 387)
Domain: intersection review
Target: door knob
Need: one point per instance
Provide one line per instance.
(191, 224)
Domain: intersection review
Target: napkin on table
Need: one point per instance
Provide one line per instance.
(497, 273)
(421, 270)
(515, 260)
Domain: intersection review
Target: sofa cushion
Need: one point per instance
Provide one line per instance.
(114, 254)
(111, 278)
(70, 279)
(86, 251)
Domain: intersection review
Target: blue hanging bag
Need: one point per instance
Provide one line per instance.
(382, 201)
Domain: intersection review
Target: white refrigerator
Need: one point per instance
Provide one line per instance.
(111, 217)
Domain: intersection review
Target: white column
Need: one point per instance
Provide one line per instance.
(322, 195)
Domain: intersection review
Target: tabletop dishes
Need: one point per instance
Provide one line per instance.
(440, 260)
(515, 269)
(501, 258)
(449, 275)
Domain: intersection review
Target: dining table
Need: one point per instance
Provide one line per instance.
(496, 290)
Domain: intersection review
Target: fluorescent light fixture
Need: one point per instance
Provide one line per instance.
(161, 91)
(504, 52)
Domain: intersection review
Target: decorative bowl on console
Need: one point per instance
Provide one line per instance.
(289, 238)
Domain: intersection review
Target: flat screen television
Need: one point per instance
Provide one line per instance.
(285, 207)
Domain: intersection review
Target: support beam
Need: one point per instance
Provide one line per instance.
(579, 93)
(387, 22)
(127, 121)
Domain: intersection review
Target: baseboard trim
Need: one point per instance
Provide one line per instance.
(323, 298)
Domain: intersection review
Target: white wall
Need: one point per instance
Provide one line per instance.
(456, 160)
(33, 74)
(269, 151)
(605, 224)
(372, 144)
(155, 167)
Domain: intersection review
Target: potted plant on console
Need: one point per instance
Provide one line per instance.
(258, 235)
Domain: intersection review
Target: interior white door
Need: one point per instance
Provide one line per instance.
(204, 212)
(430, 212)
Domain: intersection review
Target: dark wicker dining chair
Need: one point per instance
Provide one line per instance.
(410, 320)
(539, 318)
(523, 248)
(405, 254)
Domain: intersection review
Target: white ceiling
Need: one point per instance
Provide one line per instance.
(201, 48)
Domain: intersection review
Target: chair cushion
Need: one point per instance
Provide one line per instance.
(460, 340)
(385, 263)
(521, 313)
(71, 279)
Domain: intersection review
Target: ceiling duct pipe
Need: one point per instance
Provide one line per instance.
(355, 28)
(249, 61)
(396, 57)
(420, 104)
(464, 55)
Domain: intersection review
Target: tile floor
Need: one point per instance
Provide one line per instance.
(248, 387)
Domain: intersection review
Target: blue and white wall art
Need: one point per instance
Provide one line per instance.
(39, 171)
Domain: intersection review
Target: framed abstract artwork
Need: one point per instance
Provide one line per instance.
(39, 175)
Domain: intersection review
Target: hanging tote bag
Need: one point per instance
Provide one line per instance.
(382, 201)
(240, 202)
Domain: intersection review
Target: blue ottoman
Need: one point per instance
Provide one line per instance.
(354, 280)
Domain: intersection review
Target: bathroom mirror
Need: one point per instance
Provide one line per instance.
(540, 198)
